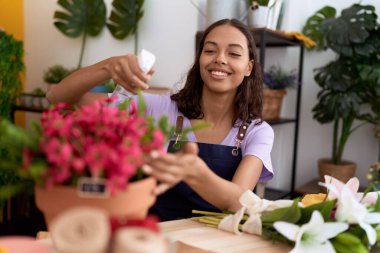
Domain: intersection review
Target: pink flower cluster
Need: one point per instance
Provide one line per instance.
(95, 141)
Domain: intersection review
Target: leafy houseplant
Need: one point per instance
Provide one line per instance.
(55, 74)
(11, 70)
(354, 37)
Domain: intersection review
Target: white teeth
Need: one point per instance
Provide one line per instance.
(218, 73)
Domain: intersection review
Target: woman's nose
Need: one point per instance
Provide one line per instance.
(220, 59)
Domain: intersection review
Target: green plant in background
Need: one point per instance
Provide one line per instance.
(258, 2)
(277, 79)
(124, 19)
(81, 18)
(55, 74)
(11, 70)
(347, 80)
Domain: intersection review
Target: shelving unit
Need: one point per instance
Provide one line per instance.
(267, 38)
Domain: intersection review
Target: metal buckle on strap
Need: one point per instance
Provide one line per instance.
(240, 137)
(178, 132)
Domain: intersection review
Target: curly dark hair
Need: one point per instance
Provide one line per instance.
(249, 95)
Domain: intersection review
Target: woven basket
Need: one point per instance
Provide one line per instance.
(272, 102)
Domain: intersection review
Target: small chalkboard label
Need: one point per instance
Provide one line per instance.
(92, 187)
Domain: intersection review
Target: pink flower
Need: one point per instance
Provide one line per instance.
(95, 140)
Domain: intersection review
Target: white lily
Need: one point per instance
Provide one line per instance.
(350, 210)
(312, 237)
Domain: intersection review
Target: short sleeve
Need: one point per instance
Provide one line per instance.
(259, 142)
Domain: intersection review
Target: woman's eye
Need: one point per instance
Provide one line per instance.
(209, 51)
(235, 54)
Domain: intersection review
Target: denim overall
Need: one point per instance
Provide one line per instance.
(177, 202)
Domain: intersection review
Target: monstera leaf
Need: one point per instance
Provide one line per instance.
(312, 28)
(81, 17)
(347, 34)
(125, 17)
(340, 94)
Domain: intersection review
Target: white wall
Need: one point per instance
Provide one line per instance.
(168, 29)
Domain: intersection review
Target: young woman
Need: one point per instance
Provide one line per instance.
(224, 88)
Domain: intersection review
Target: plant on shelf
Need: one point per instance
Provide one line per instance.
(254, 4)
(124, 19)
(81, 18)
(276, 81)
(354, 37)
(55, 74)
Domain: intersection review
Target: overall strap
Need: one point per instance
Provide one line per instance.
(240, 136)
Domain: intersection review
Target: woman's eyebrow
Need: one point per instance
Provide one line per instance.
(230, 45)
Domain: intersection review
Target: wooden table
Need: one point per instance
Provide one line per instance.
(200, 238)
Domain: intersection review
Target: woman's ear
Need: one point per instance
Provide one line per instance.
(251, 63)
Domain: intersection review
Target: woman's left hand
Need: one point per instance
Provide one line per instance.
(169, 169)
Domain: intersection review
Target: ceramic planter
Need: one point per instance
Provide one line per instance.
(342, 172)
(133, 203)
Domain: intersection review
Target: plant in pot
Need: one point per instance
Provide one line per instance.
(353, 36)
(55, 74)
(75, 156)
(276, 82)
(258, 11)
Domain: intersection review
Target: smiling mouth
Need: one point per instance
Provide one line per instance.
(219, 74)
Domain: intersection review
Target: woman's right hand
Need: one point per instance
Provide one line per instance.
(125, 71)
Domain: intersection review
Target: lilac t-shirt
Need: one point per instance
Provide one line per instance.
(257, 142)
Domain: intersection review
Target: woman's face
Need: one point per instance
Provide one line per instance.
(224, 61)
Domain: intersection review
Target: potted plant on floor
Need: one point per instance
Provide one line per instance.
(353, 36)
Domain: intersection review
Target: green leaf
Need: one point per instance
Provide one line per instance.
(313, 29)
(141, 106)
(324, 208)
(288, 214)
(80, 17)
(124, 17)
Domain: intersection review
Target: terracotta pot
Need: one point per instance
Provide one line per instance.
(133, 203)
(342, 172)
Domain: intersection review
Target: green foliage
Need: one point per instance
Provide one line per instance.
(352, 80)
(124, 19)
(11, 70)
(259, 2)
(13, 140)
(81, 17)
(56, 73)
(313, 27)
(276, 78)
